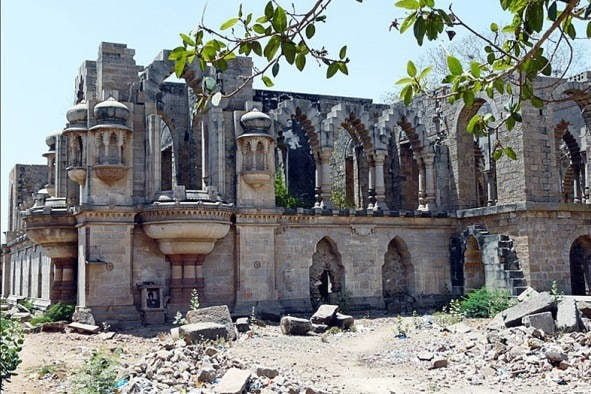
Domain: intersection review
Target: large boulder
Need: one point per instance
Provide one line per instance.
(219, 314)
(199, 332)
(295, 325)
(542, 302)
(567, 315)
(326, 314)
(542, 321)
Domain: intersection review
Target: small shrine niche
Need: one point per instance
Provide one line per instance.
(76, 133)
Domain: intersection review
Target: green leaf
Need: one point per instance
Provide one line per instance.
(454, 65)
(475, 69)
(288, 49)
(407, 94)
(267, 81)
(343, 52)
(275, 69)
(332, 69)
(425, 72)
(261, 19)
(279, 20)
(407, 4)
(471, 126)
(552, 14)
(468, 97)
(589, 30)
(310, 30)
(510, 153)
(497, 154)
(229, 23)
(404, 81)
(510, 123)
(494, 27)
(256, 47)
(407, 22)
(269, 11)
(187, 40)
(537, 102)
(343, 68)
(272, 47)
(179, 66)
(300, 61)
(419, 30)
(571, 32)
(259, 29)
(411, 69)
(534, 16)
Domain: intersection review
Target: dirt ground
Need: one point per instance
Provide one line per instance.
(370, 360)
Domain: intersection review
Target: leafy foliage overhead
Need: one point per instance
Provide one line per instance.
(515, 54)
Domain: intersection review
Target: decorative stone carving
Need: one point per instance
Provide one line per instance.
(110, 173)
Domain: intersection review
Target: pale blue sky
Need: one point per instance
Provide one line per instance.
(44, 42)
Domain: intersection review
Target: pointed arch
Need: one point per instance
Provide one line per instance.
(398, 277)
(327, 273)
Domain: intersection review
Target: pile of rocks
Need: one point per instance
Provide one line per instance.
(546, 312)
(325, 317)
(175, 367)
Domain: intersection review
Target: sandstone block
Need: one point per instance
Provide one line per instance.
(326, 314)
(319, 328)
(542, 302)
(542, 321)
(567, 316)
(87, 328)
(199, 332)
(267, 372)
(527, 293)
(294, 325)
(438, 363)
(219, 314)
(584, 308)
(234, 381)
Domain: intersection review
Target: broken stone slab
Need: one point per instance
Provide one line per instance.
(219, 314)
(542, 302)
(234, 381)
(325, 314)
(295, 326)
(199, 332)
(22, 316)
(541, 321)
(527, 293)
(267, 372)
(85, 328)
(438, 363)
(105, 336)
(344, 322)
(584, 308)
(567, 315)
(319, 328)
(242, 324)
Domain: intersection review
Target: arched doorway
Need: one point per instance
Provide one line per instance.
(397, 277)
(473, 266)
(580, 266)
(327, 274)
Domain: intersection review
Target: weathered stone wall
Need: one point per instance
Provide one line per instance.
(23, 180)
(28, 272)
(219, 271)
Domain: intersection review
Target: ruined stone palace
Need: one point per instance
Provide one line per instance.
(143, 199)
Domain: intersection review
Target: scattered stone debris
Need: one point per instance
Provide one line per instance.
(325, 316)
(295, 325)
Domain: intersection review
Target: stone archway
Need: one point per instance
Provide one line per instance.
(327, 274)
(397, 277)
(580, 265)
(474, 277)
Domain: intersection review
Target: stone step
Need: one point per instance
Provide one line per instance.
(518, 282)
(515, 273)
(518, 290)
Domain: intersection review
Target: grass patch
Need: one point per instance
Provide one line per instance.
(98, 374)
(56, 312)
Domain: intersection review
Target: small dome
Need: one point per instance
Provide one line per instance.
(51, 140)
(256, 121)
(78, 114)
(111, 111)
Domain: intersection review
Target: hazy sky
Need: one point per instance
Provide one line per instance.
(44, 42)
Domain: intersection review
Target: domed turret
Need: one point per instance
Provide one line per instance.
(255, 121)
(77, 115)
(111, 111)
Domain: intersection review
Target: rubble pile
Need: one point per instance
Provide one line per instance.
(326, 316)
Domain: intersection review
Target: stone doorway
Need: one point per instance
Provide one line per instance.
(397, 277)
(474, 277)
(580, 266)
(327, 274)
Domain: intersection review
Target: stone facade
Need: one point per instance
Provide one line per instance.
(391, 206)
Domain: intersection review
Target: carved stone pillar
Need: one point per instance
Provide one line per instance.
(63, 287)
(317, 184)
(422, 202)
(325, 184)
(429, 181)
(380, 187)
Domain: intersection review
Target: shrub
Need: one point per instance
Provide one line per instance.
(98, 375)
(11, 343)
(55, 312)
(485, 303)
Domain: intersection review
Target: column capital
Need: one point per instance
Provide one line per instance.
(325, 153)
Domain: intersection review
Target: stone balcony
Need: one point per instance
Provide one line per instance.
(52, 227)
